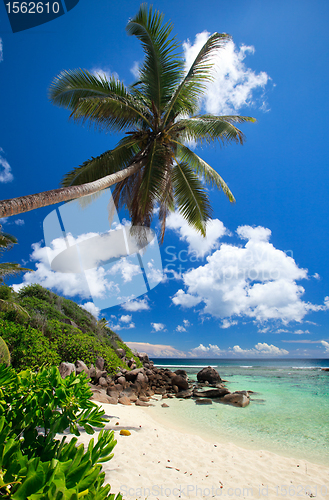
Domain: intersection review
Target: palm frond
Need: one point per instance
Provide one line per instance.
(103, 103)
(191, 197)
(162, 69)
(11, 269)
(107, 163)
(185, 98)
(203, 169)
(208, 128)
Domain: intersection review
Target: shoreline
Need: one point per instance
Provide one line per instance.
(158, 461)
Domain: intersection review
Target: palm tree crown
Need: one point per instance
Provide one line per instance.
(159, 115)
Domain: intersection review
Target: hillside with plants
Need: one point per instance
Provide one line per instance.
(41, 328)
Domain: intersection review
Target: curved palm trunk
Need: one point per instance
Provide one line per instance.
(22, 204)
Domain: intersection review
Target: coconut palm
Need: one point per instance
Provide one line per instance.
(8, 268)
(152, 165)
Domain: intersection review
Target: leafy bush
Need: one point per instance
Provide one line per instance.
(29, 348)
(34, 465)
(36, 291)
(4, 352)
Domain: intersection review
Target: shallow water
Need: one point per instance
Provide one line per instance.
(288, 413)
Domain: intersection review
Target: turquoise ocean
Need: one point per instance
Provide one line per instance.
(288, 413)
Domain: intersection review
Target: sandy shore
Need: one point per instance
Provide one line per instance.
(156, 462)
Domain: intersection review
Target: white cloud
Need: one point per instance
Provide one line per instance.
(136, 305)
(197, 244)
(185, 299)
(19, 222)
(158, 327)
(125, 318)
(180, 328)
(90, 307)
(256, 281)
(227, 323)
(135, 69)
(126, 269)
(69, 284)
(5, 172)
(157, 350)
(325, 345)
(203, 351)
(118, 327)
(260, 350)
(186, 322)
(104, 72)
(234, 83)
(1, 50)
(300, 332)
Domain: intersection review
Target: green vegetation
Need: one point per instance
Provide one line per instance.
(42, 328)
(34, 465)
(4, 352)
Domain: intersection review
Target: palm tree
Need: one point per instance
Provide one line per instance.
(8, 268)
(152, 166)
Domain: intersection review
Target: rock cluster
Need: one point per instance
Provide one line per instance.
(139, 385)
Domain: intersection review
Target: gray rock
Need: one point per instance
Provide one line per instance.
(121, 353)
(65, 369)
(124, 400)
(143, 357)
(180, 382)
(80, 367)
(184, 394)
(121, 380)
(132, 375)
(164, 405)
(203, 401)
(208, 374)
(92, 371)
(113, 393)
(236, 399)
(210, 393)
(102, 382)
(142, 403)
(100, 363)
(101, 398)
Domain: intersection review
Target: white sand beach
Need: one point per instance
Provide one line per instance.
(158, 462)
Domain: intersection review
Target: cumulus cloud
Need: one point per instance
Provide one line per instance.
(325, 345)
(255, 280)
(180, 328)
(158, 327)
(157, 350)
(19, 222)
(300, 332)
(90, 307)
(261, 350)
(126, 318)
(126, 268)
(197, 244)
(69, 284)
(206, 351)
(234, 85)
(136, 305)
(5, 170)
(1, 50)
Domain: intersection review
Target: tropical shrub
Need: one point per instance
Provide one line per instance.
(4, 352)
(34, 463)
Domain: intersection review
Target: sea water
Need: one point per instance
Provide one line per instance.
(288, 412)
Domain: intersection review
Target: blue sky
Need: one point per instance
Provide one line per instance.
(257, 286)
